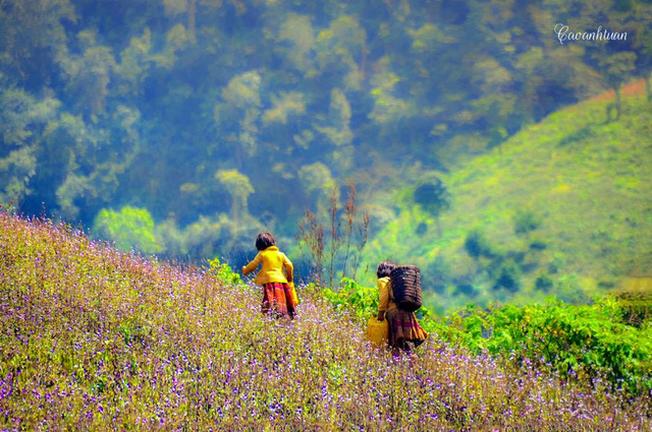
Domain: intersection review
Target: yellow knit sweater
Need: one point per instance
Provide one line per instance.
(386, 302)
(274, 262)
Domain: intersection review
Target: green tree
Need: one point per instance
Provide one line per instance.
(341, 49)
(388, 107)
(239, 187)
(298, 38)
(642, 43)
(129, 228)
(525, 222)
(476, 245)
(335, 126)
(284, 105)
(318, 182)
(32, 39)
(88, 76)
(135, 64)
(433, 197)
(23, 120)
(616, 69)
(241, 103)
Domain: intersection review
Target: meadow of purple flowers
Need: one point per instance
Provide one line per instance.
(91, 338)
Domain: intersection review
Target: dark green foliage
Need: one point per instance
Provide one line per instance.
(616, 66)
(436, 275)
(508, 276)
(432, 196)
(636, 304)
(579, 135)
(573, 339)
(476, 245)
(466, 289)
(606, 284)
(543, 283)
(553, 268)
(538, 245)
(350, 295)
(525, 222)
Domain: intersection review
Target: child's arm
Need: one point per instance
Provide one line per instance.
(252, 265)
(289, 269)
(383, 293)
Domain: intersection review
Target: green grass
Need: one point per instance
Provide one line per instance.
(586, 180)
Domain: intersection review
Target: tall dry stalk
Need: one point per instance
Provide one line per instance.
(349, 215)
(311, 233)
(334, 242)
(363, 231)
(333, 252)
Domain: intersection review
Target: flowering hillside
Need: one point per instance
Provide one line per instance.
(95, 339)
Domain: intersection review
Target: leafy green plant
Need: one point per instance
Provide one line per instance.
(588, 339)
(223, 271)
(353, 296)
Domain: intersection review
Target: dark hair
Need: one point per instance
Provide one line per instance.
(385, 268)
(265, 240)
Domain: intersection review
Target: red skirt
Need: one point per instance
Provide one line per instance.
(277, 300)
(404, 329)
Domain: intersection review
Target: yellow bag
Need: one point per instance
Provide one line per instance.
(377, 331)
(293, 294)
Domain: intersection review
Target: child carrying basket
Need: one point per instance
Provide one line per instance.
(400, 295)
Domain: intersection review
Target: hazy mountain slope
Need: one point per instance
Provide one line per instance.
(585, 183)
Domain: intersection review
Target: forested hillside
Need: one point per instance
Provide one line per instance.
(181, 127)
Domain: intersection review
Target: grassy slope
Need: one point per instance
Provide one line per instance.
(94, 339)
(587, 180)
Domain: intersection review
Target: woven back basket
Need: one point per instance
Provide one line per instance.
(406, 287)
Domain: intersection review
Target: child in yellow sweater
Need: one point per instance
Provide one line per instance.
(275, 276)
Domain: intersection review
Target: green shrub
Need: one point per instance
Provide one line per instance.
(538, 245)
(224, 272)
(130, 228)
(355, 297)
(544, 283)
(636, 301)
(508, 276)
(526, 221)
(432, 197)
(589, 340)
(477, 245)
